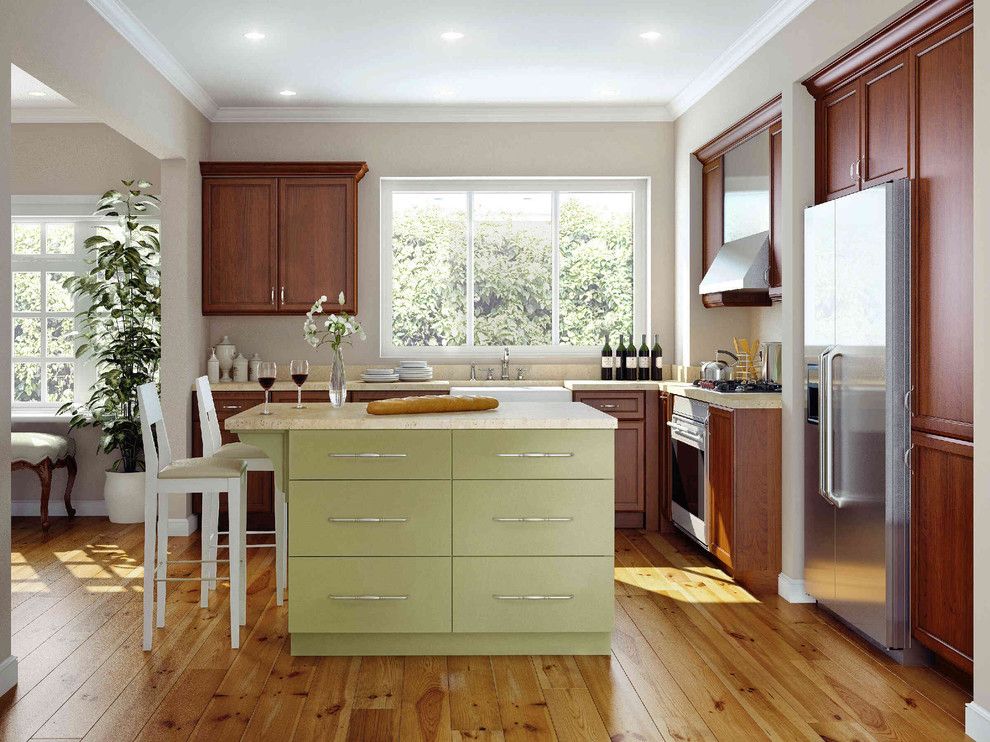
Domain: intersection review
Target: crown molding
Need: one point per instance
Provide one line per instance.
(51, 116)
(137, 34)
(778, 16)
(443, 114)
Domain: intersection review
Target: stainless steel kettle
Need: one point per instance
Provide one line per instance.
(718, 370)
(769, 362)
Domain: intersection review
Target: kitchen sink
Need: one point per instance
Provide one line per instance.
(513, 393)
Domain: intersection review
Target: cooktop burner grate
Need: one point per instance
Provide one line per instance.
(739, 387)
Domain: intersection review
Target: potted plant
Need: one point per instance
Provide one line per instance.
(119, 330)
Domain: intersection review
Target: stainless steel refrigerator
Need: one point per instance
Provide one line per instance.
(857, 434)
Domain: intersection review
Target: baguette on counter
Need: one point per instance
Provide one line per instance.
(431, 404)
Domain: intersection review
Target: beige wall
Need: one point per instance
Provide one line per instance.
(75, 159)
(72, 159)
(625, 149)
(981, 357)
(820, 33)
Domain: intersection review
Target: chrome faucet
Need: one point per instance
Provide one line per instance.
(505, 364)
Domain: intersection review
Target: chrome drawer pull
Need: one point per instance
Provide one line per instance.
(367, 520)
(368, 597)
(367, 455)
(230, 407)
(532, 520)
(534, 455)
(533, 597)
(608, 406)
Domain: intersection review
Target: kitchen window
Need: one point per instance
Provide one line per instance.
(544, 266)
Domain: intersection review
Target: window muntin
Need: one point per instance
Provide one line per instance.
(550, 265)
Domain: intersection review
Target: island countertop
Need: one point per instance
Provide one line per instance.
(355, 416)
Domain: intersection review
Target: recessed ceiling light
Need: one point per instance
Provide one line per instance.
(254, 36)
(37, 94)
(609, 92)
(444, 92)
(650, 35)
(287, 93)
(451, 35)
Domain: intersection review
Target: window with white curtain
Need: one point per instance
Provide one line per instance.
(544, 266)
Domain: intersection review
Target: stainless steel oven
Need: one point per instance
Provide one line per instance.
(689, 470)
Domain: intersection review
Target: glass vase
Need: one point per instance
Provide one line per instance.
(338, 379)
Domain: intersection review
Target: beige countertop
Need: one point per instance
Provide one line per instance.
(441, 386)
(354, 416)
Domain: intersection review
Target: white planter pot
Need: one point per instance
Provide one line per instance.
(124, 495)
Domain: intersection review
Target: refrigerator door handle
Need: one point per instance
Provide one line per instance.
(825, 431)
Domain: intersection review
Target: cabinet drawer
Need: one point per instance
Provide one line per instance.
(533, 454)
(528, 594)
(623, 405)
(373, 518)
(533, 517)
(369, 454)
(369, 594)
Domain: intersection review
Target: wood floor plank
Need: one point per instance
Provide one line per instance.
(326, 712)
(695, 656)
(522, 706)
(474, 709)
(425, 700)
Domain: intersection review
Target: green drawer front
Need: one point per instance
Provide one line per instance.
(336, 594)
(490, 594)
(527, 517)
(533, 454)
(369, 518)
(369, 454)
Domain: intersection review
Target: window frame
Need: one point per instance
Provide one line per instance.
(638, 186)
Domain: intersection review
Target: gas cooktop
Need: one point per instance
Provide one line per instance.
(739, 387)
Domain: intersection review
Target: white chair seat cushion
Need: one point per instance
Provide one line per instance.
(36, 447)
(206, 467)
(240, 451)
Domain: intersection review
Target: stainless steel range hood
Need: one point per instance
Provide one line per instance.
(742, 264)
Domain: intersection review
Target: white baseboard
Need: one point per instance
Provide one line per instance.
(792, 590)
(56, 508)
(977, 722)
(183, 526)
(8, 674)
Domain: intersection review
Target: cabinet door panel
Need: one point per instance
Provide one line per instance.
(712, 191)
(720, 482)
(885, 122)
(942, 547)
(239, 236)
(630, 483)
(316, 243)
(942, 365)
(838, 142)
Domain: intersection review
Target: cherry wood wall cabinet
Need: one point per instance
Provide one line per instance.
(900, 104)
(764, 122)
(277, 235)
(744, 493)
(637, 454)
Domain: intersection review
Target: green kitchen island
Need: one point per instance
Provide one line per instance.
(461, 533)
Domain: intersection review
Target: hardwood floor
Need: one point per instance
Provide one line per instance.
(694, 657)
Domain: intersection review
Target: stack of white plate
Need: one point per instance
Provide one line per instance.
(415, 371)
(379, 375)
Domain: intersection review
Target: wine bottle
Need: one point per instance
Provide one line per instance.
(607, 362)
(643, 360)
(620, 359)
(656, 360)
(632, 365)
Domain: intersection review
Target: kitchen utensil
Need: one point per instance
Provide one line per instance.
(769, 362)
(718, 370)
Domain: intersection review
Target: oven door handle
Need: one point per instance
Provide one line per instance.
(685, 435)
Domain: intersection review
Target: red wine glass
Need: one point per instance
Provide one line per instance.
(266, 377)
(299, 371)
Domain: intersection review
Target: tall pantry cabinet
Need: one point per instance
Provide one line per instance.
(901, 105)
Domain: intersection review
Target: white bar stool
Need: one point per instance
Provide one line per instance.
(256, 460)
(163, 477)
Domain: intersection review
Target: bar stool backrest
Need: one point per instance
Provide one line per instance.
(157, 455)
(209, 425)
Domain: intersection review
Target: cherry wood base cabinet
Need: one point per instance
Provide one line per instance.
(277, 235)
(900, 104)
(744, 493)
(637, 454)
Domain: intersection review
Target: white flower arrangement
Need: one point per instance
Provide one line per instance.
(335, 328)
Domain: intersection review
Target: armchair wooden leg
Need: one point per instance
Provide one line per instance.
(44, 471)
(70, 466)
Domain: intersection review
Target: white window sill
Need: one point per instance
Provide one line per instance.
(38, 416)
